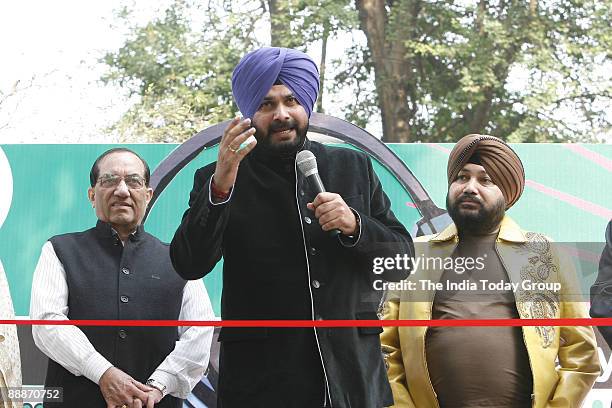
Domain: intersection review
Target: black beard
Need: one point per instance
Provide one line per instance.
(485, 221)
(286, 148)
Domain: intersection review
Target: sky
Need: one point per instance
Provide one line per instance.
(51, 50)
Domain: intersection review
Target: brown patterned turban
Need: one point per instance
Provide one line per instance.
(499, 160)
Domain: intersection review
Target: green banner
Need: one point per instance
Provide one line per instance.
(568, 196)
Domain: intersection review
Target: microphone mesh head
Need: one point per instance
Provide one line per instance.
(306, 163)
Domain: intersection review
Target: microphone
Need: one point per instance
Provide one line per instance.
(307, 165)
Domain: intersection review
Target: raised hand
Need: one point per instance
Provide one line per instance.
(238, 140)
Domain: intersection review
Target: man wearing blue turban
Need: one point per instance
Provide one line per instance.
(281, 261)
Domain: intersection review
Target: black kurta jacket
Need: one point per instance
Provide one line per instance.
(601, 292)
(280, 264)
(109, 281)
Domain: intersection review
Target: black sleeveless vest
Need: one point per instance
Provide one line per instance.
(109, 281)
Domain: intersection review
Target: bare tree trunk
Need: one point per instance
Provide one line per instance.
(276, 28)
(322, 66)
(393, 69)
(533, 7)
(480, 113)
(479, 117)
(480, 16)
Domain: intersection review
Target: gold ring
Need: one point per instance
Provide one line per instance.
(232, 150)
(124, 406)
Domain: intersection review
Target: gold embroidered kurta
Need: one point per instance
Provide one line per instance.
(526, 256)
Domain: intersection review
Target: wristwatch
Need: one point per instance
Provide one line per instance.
(151, 382)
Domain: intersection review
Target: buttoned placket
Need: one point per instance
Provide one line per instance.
(299, 192)
(124, 273)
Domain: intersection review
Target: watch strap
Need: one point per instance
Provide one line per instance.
(151, 382)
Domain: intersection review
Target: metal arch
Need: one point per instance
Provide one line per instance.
(433, 217)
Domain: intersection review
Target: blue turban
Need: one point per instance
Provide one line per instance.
(258, 70)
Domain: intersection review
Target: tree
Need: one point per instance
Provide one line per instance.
(430, 70)
(180, 72)
(305, 24)
(443, 70)
(180, 75)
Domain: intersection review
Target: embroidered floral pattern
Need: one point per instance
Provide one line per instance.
(543, 304)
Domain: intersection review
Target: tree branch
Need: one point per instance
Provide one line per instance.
(588, 95)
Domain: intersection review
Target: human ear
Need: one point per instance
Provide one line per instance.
(91, 194)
